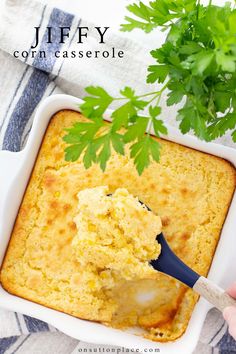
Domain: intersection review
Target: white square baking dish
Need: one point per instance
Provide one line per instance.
(15, 169)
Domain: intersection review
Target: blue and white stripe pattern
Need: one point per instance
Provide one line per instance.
(23, 85)
(37, 84)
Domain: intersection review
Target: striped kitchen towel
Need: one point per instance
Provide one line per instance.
(24, 82)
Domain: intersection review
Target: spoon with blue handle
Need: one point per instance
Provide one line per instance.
(170, 264)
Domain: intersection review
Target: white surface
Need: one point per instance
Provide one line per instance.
(16, 169)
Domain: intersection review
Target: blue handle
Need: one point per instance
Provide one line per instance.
(170, 264)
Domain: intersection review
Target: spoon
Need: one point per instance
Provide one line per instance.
(168, 263)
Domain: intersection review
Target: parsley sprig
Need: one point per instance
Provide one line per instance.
(196, 64)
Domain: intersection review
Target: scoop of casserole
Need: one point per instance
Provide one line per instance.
(116, 236)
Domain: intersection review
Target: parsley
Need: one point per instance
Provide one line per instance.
(196, 64)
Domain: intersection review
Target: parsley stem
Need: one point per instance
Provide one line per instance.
(139, 96)
(156, 93)
(154, 97)
(198, 5)
(149, 94)
(120, 98)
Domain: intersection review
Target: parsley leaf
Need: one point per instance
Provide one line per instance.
(157, 73)
(136, 130)
(128, 111)
(73, 152)
(158, 13)
(158, 125)
(142, 152)
(96, 104)
(220, 126)
(81, 136)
